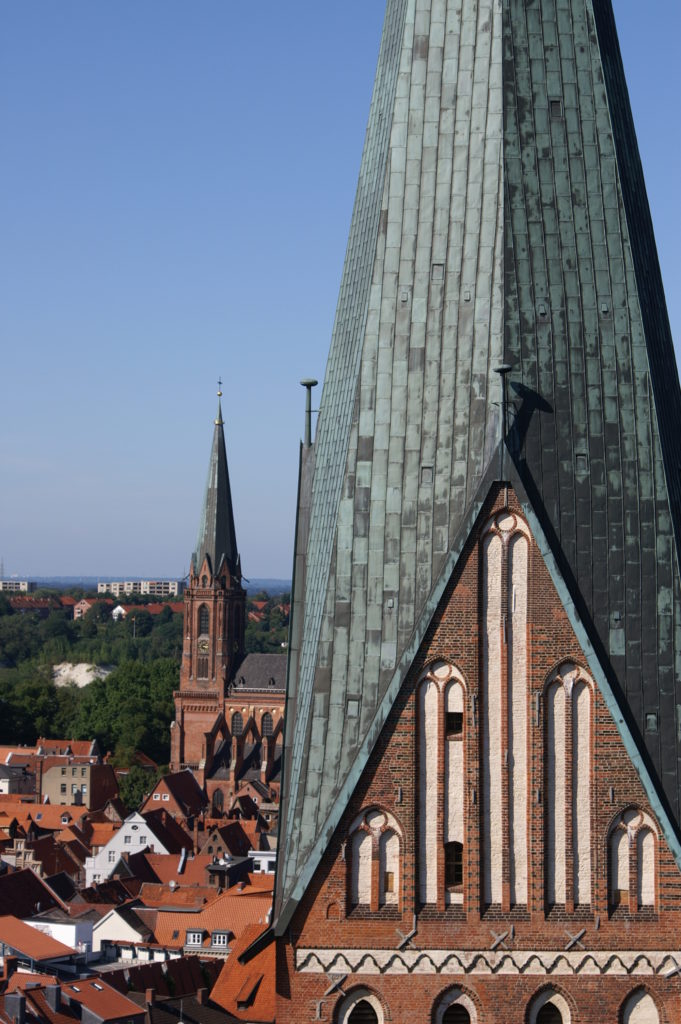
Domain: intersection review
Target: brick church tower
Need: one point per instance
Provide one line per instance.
(481, 807)
(214, 623)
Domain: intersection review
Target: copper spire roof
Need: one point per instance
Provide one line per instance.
(217, 535)
(500, 219)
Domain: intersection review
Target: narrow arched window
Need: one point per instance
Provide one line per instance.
(363, 1013)
(453, 865)
(204, 620)
(237, 723)
(456, 1014)
(640, 1008)
(267, 724)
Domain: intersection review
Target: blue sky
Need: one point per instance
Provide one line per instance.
(175, 194)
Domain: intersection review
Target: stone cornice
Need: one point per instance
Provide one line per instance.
(463, 962)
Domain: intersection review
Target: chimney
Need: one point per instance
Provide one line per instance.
(53, 996)
(9, 967)
(150, 996)
(15, 1007)
(201, 996)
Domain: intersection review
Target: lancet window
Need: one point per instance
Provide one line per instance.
(373, 855)
(505, 564)
(204, 620)
(441, 731)
(567, 763)
(632, 844)
(640, 1008)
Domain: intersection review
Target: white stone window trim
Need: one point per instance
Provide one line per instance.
(374, 822)
(455, 997)
(348, 1004)
(550, 995)
(633, 821)
(633, 1002)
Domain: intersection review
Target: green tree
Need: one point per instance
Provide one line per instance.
(135, 785)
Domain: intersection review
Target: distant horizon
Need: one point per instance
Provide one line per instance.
(119, 578)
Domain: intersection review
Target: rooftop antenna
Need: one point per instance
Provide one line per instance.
(308, 383)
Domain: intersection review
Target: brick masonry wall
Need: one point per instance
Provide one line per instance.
(326, 921)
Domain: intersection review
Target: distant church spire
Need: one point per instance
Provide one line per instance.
(217, 536)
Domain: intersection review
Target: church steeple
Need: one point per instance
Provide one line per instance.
(216, 539)
(214, 621)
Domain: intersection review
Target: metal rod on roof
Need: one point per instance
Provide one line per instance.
(308, 383)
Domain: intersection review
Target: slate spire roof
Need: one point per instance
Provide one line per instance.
(500, 218)
(217, 535)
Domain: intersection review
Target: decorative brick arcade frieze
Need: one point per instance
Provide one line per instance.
(545, 962)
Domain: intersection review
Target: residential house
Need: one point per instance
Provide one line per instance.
(154, 831)
(211, 930)
(79, 783)
(179, 794)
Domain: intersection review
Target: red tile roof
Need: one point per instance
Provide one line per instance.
(29, 941)
(234, 910)
(247, 990)
(102, 999)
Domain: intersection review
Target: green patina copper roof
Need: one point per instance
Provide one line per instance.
(500, 218)
(217, 536)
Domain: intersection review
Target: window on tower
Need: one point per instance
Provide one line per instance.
(453, 865)
(204, 620)
(202, 667)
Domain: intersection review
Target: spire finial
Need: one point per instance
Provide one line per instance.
(219, 420)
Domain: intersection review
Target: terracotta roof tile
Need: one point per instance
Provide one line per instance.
(233, 910)
(29, 941)
(248, 990)
(102, 999)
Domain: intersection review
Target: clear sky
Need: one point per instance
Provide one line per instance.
(176, 185)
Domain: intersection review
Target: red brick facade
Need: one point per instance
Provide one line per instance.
(214, 623)
(497, 960)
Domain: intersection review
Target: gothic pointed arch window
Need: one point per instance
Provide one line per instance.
(237, 723)
(632, 846)
(505, 553)
(640, 1008)
(568, 699)
(204, 620)
(441, 730)
(549, 1007)
(360, 1007)
(455, 1007)
(373, 854)
(363, 1013)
